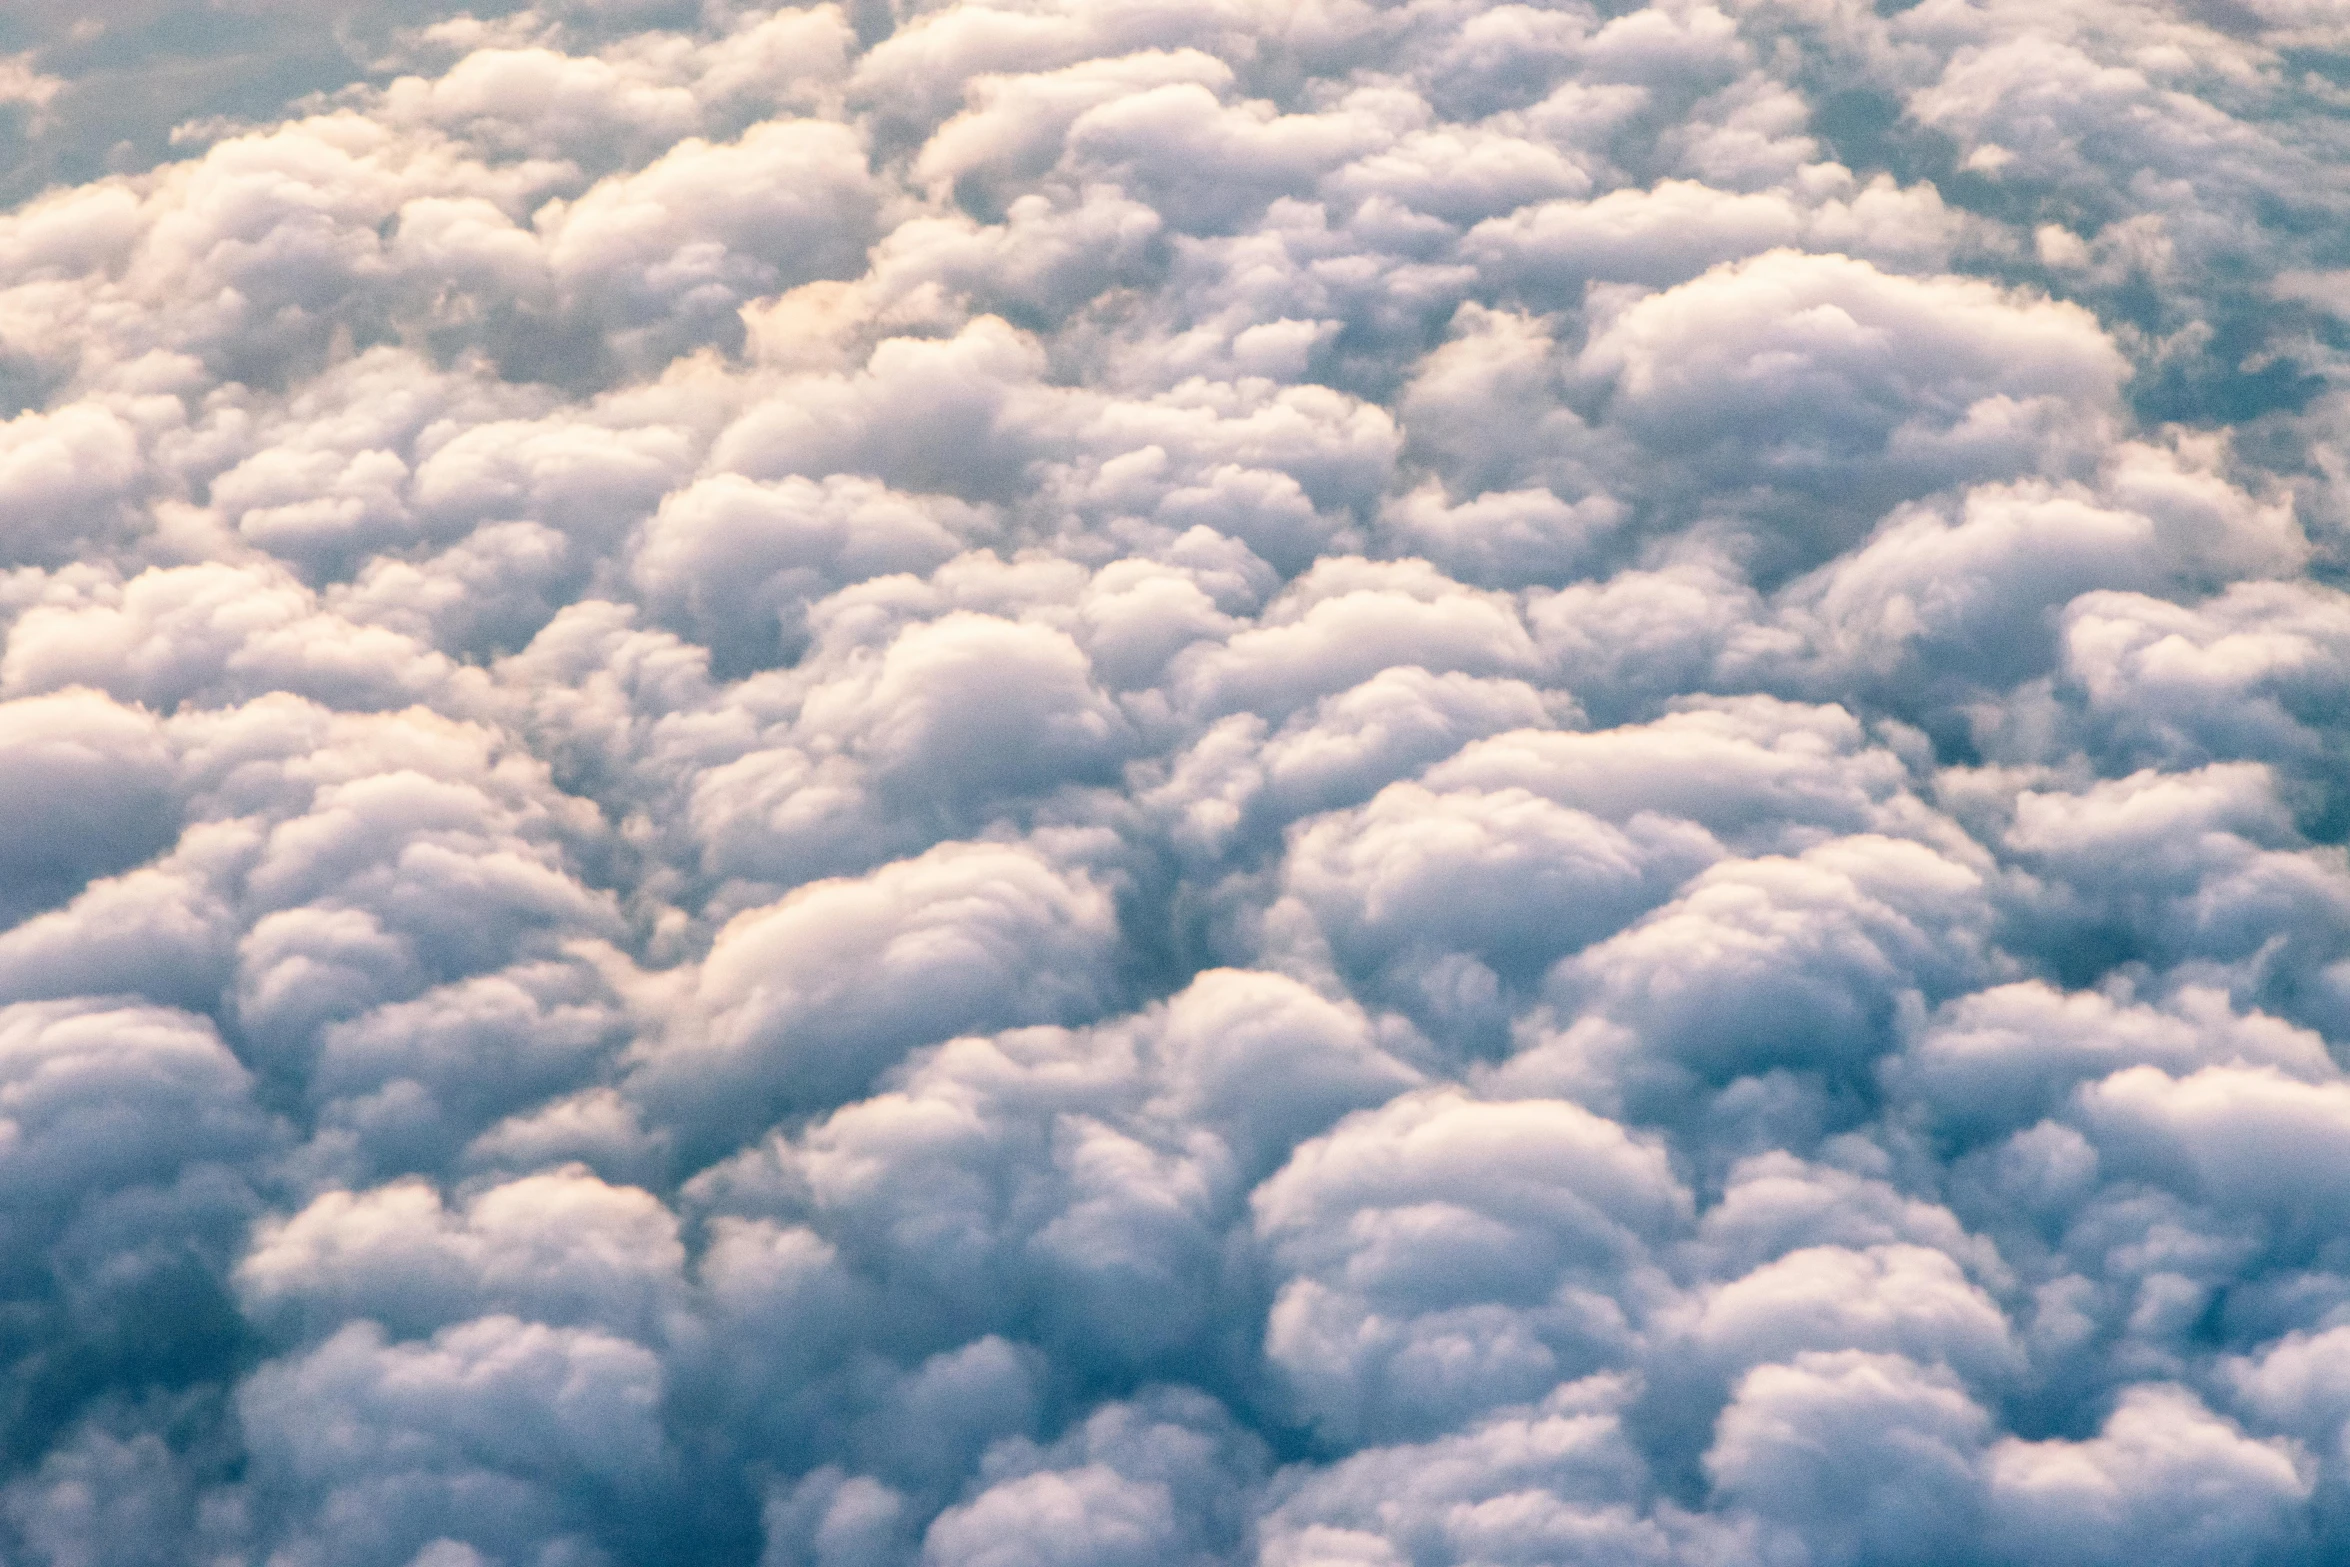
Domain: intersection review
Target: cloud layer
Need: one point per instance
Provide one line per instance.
(1028, 782)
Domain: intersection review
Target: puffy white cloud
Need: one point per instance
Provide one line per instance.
(1003, 781)
(1085, 1171)
(213, 633)
(1017, 125)
(1775, 1203)
(1756, 772)
(90, 789)
(959, 722)
(101, 1097)
(1385, 727)
(104, 1498)
(488, 1432)
(2230, 677)
(1521, 1485)
(703, 228)
(1137, 1483)
(1824, 377)
(2003, 1058)
(1675, 229)
(1440, 900)
(585, 477)
(738, 563)
(562, 1247)
(1804, 965)
(1907, 1299)
(806, 1001)
(394, 871)
(130, 1138)
(410, 1082)
(63, 476)
(1265, 1062)
(1444, 1255)
(1985, 592)
(1475, 409)
(1860, 1457)
(2164, 1480)
(2246, 1139)
(1343, 622)
(971, 704)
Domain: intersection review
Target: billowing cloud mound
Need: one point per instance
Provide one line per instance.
(1316, 783)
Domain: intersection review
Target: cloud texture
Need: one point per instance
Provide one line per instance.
(1302, 782)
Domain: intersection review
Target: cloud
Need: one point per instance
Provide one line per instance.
(2164, 1474)
(426, 1436)
(91, 783)
(871, 785)
(1825, 377)
(1137, 1483)
(1863, 1457)
(1517, 1486)
(808, 1000)
(1443, 1256)
(741, 563)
